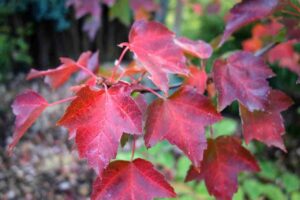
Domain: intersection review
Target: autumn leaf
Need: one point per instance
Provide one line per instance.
(266, 126)
(58, 76)
(154, 46)
(98, 119)
(181, 119)
(242, 77)
(223, 160)
(197, 48)
(131, 180)
(27, 107)
(246, 12)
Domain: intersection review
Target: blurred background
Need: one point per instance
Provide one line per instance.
(35, 33)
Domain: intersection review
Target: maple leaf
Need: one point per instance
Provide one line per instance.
(154, 46)
(126, 180)
(197, 48)
(181, 119)
(57, 77)
(196, 79)
(287, 57)
(99, 118)
(223, 160)
(246, 12)
(27, 107)
(242, 77)
(266, 126)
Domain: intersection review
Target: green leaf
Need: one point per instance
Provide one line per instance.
(121, 11)
(272, 192)
(268, 170)
(239, 195)
(226, 126)
(295, 196)
(183, 165)
(252, 188)
(290, 182)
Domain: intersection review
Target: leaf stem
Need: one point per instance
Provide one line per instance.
(62, 101)
(145, 89)
(291, 13)
(133, 147)
(118, 63)
(294, 5)
(211, 131)
(265, 49)
(87, 71)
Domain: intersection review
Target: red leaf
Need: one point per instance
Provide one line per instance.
(131, 180)
(287, 56)
(223, 160)
(154, 46)
(242, 77)
(197, 48)
(197, 79)
(181, 119)
(99, 119)
(27, 107)
(57, 77)
(246, 12)
(266, 126)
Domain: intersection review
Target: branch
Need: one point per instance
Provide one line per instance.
(143, 90)
(265, 49)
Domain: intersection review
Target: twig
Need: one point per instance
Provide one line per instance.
(144, 90)
(133, 147)
(62, 101)
(265, 49)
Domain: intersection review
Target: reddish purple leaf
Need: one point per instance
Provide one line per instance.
(266, 126)
(91, 26)
(223, 160)
(126, 180)
(197, 48)
(181, 119)
(27, 107)
(155, 48)
(242, 77)
(83, 7)
(57, 77)
(92, 8)
(99, 118)
(246, 12)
